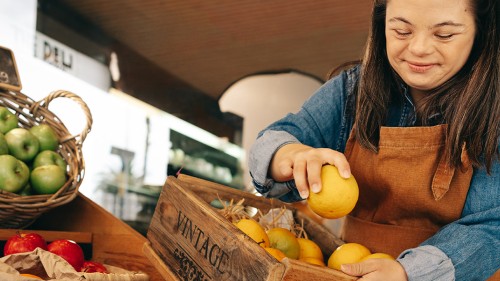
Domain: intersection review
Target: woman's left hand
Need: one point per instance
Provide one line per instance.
(376, 269)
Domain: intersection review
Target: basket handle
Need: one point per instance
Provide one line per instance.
(66, 94)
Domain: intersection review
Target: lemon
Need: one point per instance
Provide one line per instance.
(347, 253)
(337, 197)
(279, 255)
(285, 241)
(314, 261)
(378, 256)
(254, 230)
(309, 249)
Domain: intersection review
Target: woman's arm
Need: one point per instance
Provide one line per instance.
(318, 124)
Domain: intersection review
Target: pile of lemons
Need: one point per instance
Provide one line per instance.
(337, 198)
(281, 242)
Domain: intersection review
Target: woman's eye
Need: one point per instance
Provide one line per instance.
(444, 36)
(401, 33)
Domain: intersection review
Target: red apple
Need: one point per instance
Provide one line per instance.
(68, 250)
(24, 242)
(93, 266)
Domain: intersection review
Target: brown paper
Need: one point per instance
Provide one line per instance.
(52, 267)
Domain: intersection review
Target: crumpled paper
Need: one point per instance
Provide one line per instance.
(278, 217)
(50, 266)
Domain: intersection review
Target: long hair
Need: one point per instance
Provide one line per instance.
(469, 102)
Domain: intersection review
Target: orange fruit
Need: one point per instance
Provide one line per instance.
(347, 253)
(309, 249)
(254, 230)
(279, 255)
(378, 256)
(312, 260)
(337, 197)
(31, 276)
(285, 241)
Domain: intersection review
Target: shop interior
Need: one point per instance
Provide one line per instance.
(177, 86)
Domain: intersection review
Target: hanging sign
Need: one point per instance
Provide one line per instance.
(9, 77)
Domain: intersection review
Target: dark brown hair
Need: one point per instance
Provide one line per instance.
(469, 102)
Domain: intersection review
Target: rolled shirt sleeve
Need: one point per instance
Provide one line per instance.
(427, 263)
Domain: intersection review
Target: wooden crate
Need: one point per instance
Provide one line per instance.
(113, 242)
(190, 240)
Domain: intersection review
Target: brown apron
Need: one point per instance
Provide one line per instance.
(407, 190)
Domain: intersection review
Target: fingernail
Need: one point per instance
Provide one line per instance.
(304, 194)
(345, 174)
(315, 188)
(345, 268)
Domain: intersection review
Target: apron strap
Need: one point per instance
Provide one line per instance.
(442, 178)
(444, 174)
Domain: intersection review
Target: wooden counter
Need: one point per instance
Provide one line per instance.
(113, 241)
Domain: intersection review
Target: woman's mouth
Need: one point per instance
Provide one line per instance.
(419, 67)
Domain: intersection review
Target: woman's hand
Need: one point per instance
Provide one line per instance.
(376, 269)
(303, 163)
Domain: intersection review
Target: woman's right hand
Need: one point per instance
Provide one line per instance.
(303, 163)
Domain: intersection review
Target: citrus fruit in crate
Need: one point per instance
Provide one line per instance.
(279, 255)
(309, 249)
(347, 253)
(314, 261)
(337, 197)
(254, 230)
(20, 209)
(285, 241)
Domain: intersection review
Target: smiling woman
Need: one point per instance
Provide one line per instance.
(428, 51)
(416, 122)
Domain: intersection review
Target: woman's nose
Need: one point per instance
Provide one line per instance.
(420, 45)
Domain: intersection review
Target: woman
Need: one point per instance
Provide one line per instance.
(417, 123)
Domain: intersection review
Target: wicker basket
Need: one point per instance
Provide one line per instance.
(18, 211)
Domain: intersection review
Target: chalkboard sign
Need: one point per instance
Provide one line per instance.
(9, 77)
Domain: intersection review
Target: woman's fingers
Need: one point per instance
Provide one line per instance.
(339, 160)
(300, 176)
(314, 175)
(303, 164)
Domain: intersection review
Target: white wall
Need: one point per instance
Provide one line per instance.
(18, 22)
(262, 99)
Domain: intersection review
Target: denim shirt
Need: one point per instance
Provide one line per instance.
(467, 249)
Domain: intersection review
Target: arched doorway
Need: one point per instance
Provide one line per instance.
(263, 98)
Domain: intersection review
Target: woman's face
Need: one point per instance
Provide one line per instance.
(428, 41)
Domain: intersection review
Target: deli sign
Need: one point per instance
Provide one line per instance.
(55, 53)
(71, 61)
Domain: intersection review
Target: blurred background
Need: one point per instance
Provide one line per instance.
(175, 85)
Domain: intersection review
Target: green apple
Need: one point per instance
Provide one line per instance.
(22, 144)
(46, 136)
(8, 120)
(47, 179)
(14, 173)
(4, 148)
(49, 157)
